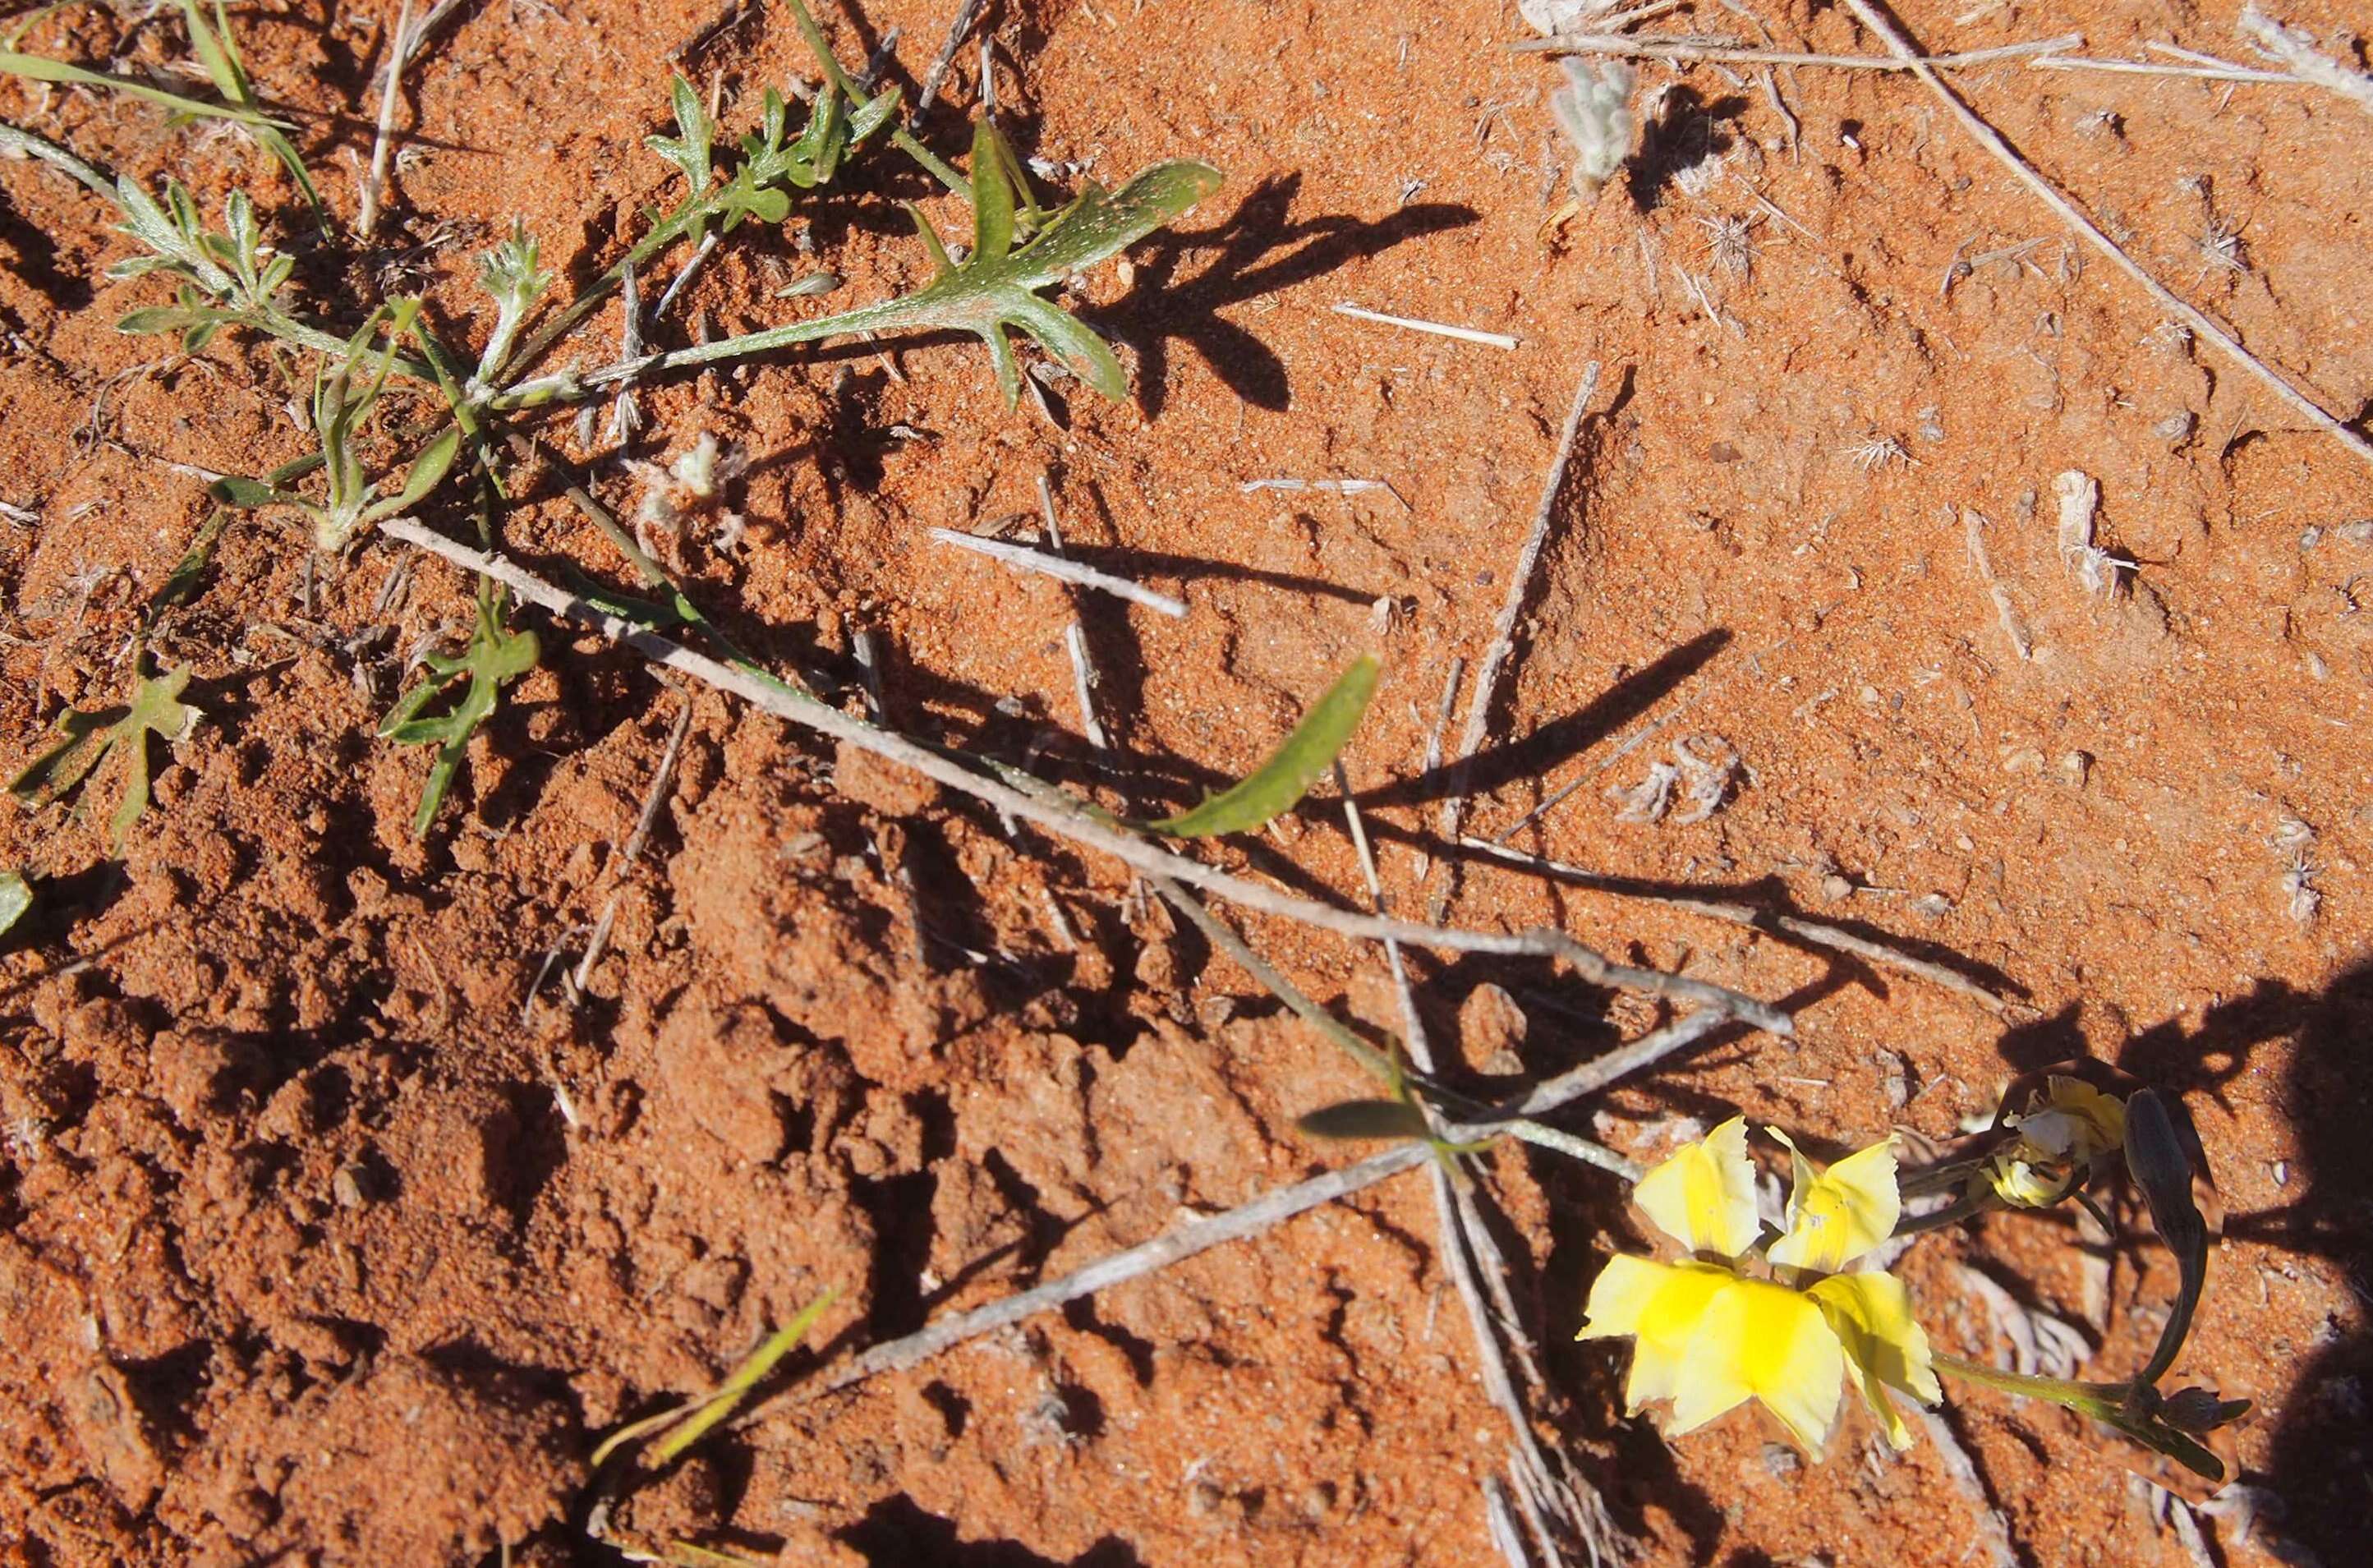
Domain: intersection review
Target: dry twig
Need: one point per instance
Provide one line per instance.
(1066, 571)
(1068, 823)
(1504, 630)
(1814, 932)
(1992, 140)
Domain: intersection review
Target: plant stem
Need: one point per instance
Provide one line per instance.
(2093, 1398)
(900, 137)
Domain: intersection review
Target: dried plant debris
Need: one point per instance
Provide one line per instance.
(2293, 842)
(689, 489)
(1689, 788)
(2297, 54)
(2099, 572)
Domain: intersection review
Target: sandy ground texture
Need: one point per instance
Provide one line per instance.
(344, 1204)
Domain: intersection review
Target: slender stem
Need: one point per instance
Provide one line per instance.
(2093, 1398)
(900, 137)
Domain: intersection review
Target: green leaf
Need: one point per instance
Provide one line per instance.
(2161, 1169)
(694, 1418)
(89, 738)
(33, 67)
(995, 289)
(992, 196)
(1275, 786)
(182, 582)
(494, 659)
(1365, 1119)
(427, 469)
(15, 897)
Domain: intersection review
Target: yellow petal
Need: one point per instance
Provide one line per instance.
(1703, 1197)
(1835, 1216)
(1885, 1346)
(2100, 1119)
(1659, 1304)
(1759, 1339)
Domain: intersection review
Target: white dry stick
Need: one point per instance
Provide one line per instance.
(685, 275)
(1710, 52)
(1973, 531)
(1464, 334)
(653, 800)
(1038, 561)
(1992, 140)
(2297, 50)
(1993, 1531)
(1458, 1220)
(625, 414)
(399, 51)
(422, 31)
(2213, 71)
(1504, 630)
(1814, 933)
(1324, 486)
(966, 15)
(1083, 684)
(1263, 1214)
(1075, 635)
(1068, 821)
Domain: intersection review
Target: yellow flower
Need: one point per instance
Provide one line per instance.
(1704, 1195)
(2074, 1121)
(2061, 1134)
(1835, 1216)
(1709, 1337)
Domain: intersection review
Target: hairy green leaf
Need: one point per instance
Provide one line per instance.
(494, 659)
(994, 291)
(33, 67)
(88, 739)
(1275, 786)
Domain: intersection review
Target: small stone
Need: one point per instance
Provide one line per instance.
(1837, 889)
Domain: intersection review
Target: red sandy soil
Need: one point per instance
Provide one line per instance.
(303, 1260)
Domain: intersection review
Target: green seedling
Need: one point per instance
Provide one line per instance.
(345, 392)
(509, 274)
(15, 897)
(1276, 786)
(686, 1424)
(993, 291)
(771, 167)
(88, 738)
(218, 277)
(494, 659)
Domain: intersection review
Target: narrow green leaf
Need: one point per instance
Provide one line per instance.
(2155, 1159)
(992, 197)
(1365, 1119)
(15, 897)
(745, 1377)
(33, 67)
(427, 469)
(1274, 787)
(182, 583)
(700, 1414)
(237, 490)
(84, 739)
